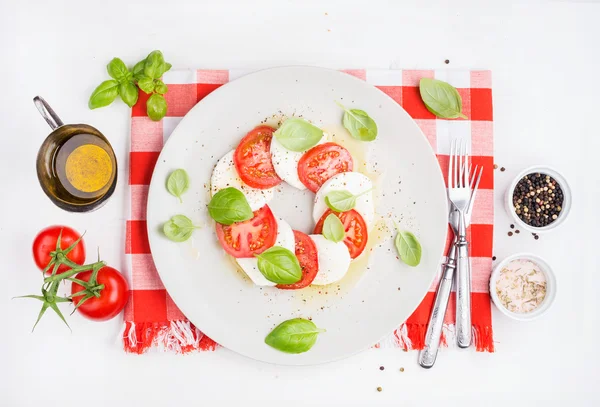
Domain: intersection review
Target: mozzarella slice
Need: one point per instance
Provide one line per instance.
(285, 162)
(285, 238)
(355, 183)
(334, 260)
(225, 175)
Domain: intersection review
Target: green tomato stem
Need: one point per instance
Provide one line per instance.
(75, 270)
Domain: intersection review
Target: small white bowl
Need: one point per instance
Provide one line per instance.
(550, 287)
(564, 186)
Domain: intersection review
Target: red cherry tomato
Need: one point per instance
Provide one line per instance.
(322, 162)
(113, 296)
(355, 227)
(45, 242)
(252, 159)
(254, 236)
(306, 252)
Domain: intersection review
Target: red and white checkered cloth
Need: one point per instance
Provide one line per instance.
(151, 316)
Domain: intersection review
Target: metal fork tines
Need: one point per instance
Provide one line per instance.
(459, 193)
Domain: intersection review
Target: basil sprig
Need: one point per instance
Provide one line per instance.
(298, 135)
(333, 229)
(360, 125)
(178, 182)
(279, 265)
(296, 335)
(408, 247)
(342, 200)
(179, 228)
(145, 75)
(228, 206)
(441, 98)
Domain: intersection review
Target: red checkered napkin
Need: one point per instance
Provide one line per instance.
(151, 316)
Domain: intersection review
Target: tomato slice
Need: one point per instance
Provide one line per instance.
(254, 236)
(306, 252)
(322, 162)
(252, 159)
(355, 227)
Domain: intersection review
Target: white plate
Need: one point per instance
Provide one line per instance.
(366, 306)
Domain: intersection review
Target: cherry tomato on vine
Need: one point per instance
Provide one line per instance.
(45, 243)
(111, 300)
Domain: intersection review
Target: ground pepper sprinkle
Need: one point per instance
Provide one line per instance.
(538, 199)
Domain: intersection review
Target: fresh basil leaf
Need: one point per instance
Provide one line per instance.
(178, 182)
(164, 68)
(160, 87)
(359, 124)
(154, 65)
(146, 84)
(156, 107)
(138, 69)
(333, 229)
(340, 201)
(179, 228)
(228, 206)
(129, 93)
(298, 135)
(441, 98)
(296, 335)
(117, 69)
(104, 94)
(409, 248)
(279, 265)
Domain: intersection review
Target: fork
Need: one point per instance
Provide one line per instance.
(459, 193)
(428, 354)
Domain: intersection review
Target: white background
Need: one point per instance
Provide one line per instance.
(545, 61)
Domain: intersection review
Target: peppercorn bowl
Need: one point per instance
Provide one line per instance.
(548, 278)
(540, 202)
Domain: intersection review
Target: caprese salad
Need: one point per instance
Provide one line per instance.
(264, 246)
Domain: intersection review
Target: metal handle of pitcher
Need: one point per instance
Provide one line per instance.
(47, 113)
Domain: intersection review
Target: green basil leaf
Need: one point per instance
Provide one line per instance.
(154, 65)
(117, 69)
(333, 229)
(138, 69)
(160, 87)
(179, 228)
(164, 68)
(104, 94)
(156, 107)
(441, 98)
(359, 124)
(129, 93)
(298, 135)
(146, 84)
(279, 265)
(340, 201)
(409, 248)
(296, 335)
(228, 206)
(178, 182)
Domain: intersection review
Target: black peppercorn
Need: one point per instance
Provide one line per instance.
(537, 198)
